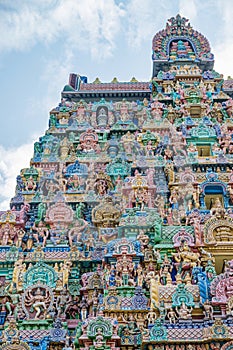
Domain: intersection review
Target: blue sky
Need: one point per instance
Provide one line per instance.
(43, 41)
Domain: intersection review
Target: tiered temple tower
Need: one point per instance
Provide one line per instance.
(120, 233)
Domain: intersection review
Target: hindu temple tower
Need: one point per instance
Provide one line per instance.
(120, 233)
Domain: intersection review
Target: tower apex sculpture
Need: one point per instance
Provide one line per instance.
(179, 43)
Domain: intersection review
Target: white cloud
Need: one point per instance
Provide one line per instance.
(12, 161)
(224, 58)
(224, 47)
(91, 24)
(188, 9)
(145, 18)
(56, 72)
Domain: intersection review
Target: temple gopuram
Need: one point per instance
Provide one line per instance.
(120, 233)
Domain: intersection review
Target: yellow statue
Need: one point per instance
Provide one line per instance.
(154, 292)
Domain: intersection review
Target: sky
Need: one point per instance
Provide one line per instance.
(42, 42)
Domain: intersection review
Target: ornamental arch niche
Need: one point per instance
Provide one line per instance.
(212, 190)
(180, 48)
(102, 116)
(218, 238)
